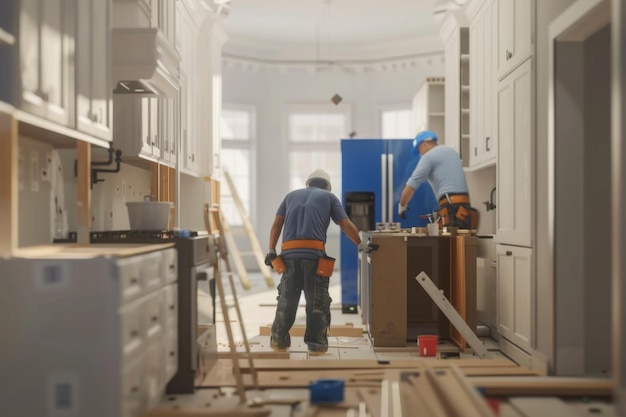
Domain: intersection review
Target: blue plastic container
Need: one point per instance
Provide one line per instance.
(326, 391)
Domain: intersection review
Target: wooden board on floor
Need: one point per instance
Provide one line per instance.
(302, 364)
(352, 378)
(544, 385)
(346, 330)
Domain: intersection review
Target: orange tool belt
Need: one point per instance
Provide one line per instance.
(302, 244)
(454, 199)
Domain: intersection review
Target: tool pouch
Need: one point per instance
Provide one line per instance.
(325, 266)
(279, 265)
(462, 213)
(474, 217)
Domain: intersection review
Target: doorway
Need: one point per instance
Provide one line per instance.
(580, 189)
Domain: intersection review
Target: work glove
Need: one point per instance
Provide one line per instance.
(363, 246)
(270, 257)
(402, 210)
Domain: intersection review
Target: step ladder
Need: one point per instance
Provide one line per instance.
(257, 251)
(444, 305)
(215, 215)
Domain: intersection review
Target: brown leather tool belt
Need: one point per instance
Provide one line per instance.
(302, 244)
(454, 199)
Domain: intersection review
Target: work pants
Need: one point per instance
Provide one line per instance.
(299, 276)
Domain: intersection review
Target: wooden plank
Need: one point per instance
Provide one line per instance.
(541, 406)
(155, 181)
(298, 330)
(83, 192)
(302, 364)
(8, 184)
(252, 237)
(543, 385)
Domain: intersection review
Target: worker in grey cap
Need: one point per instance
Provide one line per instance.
(303, 218)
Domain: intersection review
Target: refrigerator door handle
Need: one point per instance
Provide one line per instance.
(390, 191)
(383, 185)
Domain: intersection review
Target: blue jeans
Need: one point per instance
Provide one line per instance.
(299, 276)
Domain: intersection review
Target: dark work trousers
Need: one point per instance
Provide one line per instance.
(301, 275)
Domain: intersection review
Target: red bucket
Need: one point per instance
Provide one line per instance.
(427, 345)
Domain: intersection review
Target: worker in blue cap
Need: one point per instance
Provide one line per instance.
(441, 166)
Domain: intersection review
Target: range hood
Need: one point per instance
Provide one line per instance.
(143, 62)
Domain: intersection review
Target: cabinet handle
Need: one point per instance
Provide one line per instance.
(508, 253)
(475, 150)
(193, 157)
(487, 144)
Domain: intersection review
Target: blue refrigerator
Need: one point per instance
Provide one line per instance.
(373, 174)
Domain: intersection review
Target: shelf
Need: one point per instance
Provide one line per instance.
(6, 38)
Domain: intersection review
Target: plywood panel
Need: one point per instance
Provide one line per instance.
(8, 184)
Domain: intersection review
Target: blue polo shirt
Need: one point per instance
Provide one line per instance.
(307, 213)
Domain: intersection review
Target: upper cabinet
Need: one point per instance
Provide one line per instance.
(515, 34)
(454, 33)
(483, 16)
(59, 66)
(93, 59)
(46, 49)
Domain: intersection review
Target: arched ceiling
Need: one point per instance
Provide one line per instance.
(333, 30)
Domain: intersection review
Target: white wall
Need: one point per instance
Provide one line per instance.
(270, 92)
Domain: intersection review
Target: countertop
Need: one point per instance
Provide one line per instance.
(79, 251)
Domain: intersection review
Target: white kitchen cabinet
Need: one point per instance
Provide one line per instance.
(455, 34)
(189, 97)
(136, 128)
(429, 107)
(483, 21)
(94, 100)
(515, 32)
(514, 168)
(515, 295)
(46, 51)
(97, 343)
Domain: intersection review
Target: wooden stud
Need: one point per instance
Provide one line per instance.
(83, 192)
(155, 181)
(8, 184)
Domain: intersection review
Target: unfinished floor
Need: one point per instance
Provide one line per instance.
(284, 377)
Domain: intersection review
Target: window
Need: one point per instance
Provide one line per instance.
(237, 127)
(397, 123)
(315, 133)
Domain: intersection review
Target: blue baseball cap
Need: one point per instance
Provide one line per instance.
(421, 137)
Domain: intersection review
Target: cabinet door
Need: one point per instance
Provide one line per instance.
(514, 288)
(94, 92)
(514, 179)
(44, 59)
(514, 33)
(477, 91)
(101, 91)
(488, 143)
(453, 102)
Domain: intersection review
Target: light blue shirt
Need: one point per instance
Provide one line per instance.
(442, 167)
